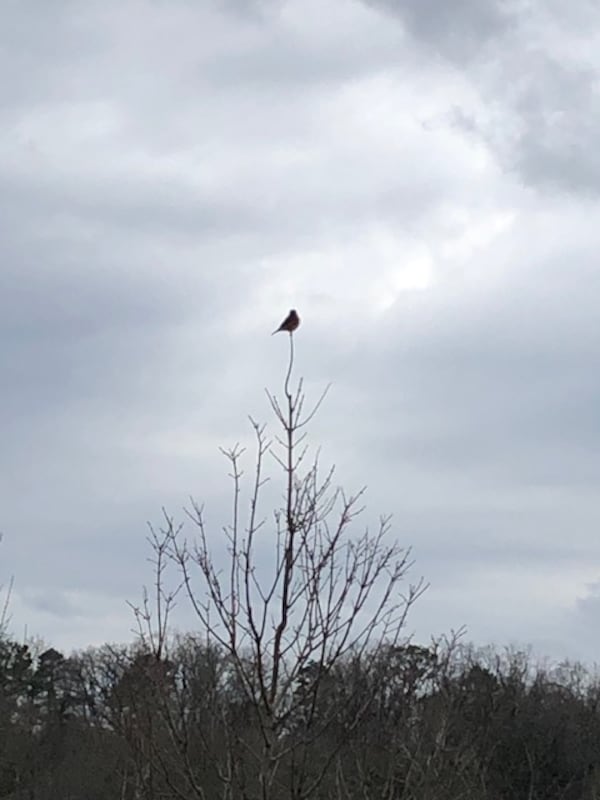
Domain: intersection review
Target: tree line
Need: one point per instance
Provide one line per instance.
(415, 722)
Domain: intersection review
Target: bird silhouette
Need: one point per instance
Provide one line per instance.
(289, 324)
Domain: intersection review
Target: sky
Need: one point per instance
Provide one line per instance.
(420, 180)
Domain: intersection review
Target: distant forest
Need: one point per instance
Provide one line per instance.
(418, 723)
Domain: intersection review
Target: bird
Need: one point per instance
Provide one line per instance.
(290, 323)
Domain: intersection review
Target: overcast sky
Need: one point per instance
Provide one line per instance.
(419, 179)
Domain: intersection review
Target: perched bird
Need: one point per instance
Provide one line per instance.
(290, 323)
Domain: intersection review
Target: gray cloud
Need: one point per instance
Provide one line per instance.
(533, 68)
(175, 177)
(458, 31)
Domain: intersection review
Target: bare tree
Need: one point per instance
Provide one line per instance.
(330, 596)
(5, 602)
